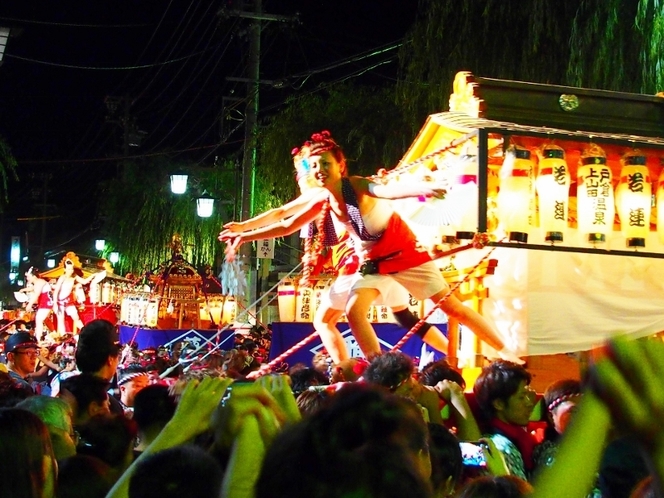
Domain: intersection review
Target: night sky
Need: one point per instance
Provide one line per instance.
(64, 64)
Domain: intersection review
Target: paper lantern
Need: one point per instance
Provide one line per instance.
(515, 194)
(660, 207)
(286, 301)
(552, 185)
(595, 201)
(463, 193)
(633, 199)
(229, 312)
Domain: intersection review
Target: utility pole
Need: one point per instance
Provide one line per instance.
(248, 172)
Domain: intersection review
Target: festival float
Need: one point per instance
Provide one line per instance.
(567, 187)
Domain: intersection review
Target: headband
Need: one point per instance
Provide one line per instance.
(131, 376)
(319, 143)
(561, 399)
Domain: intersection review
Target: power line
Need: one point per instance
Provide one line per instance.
(121, 68)
(72, 25)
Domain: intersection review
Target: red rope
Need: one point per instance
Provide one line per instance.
(436, 306)
(291, 350)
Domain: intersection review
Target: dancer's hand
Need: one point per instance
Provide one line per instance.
(233, 227)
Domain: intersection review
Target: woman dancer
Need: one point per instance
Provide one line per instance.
(362, 207)
(41, 297)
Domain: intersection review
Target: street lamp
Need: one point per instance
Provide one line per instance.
(4, 36)
(179, 183)
(205, 205)
(114, 257)
(100, 244)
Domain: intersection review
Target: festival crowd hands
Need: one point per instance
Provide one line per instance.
(623, 389)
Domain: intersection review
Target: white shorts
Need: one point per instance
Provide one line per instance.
(391, 293)
(421, 282)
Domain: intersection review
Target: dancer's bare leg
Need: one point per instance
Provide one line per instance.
(40, 316)
(78, 324)
(325, 323)
(433, 335)
(454, 308)
(357, 307)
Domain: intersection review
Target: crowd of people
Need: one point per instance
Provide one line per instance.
(375, 428)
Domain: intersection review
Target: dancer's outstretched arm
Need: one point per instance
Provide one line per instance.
(276, 214)
(306, 214)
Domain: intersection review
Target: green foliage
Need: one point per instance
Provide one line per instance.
(141, 214)
(607, 44)
(365, 121)
(8, 167)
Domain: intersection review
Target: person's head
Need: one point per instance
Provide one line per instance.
(348, 370)
(502, 391)
(391, 370)
(302, 378)
(98, 349)
(83, 476)
(168, 474)
(560, 400)
(88, 395)
(131, 380)
(309, 402)
(109, 437)
(57, 415)
(378, 443)
(69, 267)
(27, 455)
(32, 275)
(439, 370)
(446, 460)
(153, 408)
(21, 349)
(322, 158)
(496, 487)
(12, 392)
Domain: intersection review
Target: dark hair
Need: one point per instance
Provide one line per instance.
(108, 437)
(83, 476)
(153, 406)
(389, 369)
(495, 487)
(309, 402)
(86, 388)
(168, 474)
(446, 459)
(361, 442)
(302, 378)
(439, 370)
(498, 380)
(97, 341)
(556, 391)
(24, 442)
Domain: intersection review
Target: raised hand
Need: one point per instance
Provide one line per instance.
(279, 386)
(197, 403)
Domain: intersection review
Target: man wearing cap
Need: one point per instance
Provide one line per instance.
(21, 349)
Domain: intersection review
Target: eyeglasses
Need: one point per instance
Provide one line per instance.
(28, 352)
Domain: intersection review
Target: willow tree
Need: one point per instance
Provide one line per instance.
(141, 214)
(606, 44)
(364, 120)
(8, 169)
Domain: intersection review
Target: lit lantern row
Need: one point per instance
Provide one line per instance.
(596, 199)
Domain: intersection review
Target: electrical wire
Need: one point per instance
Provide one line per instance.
(92, 68)
(72, 25)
